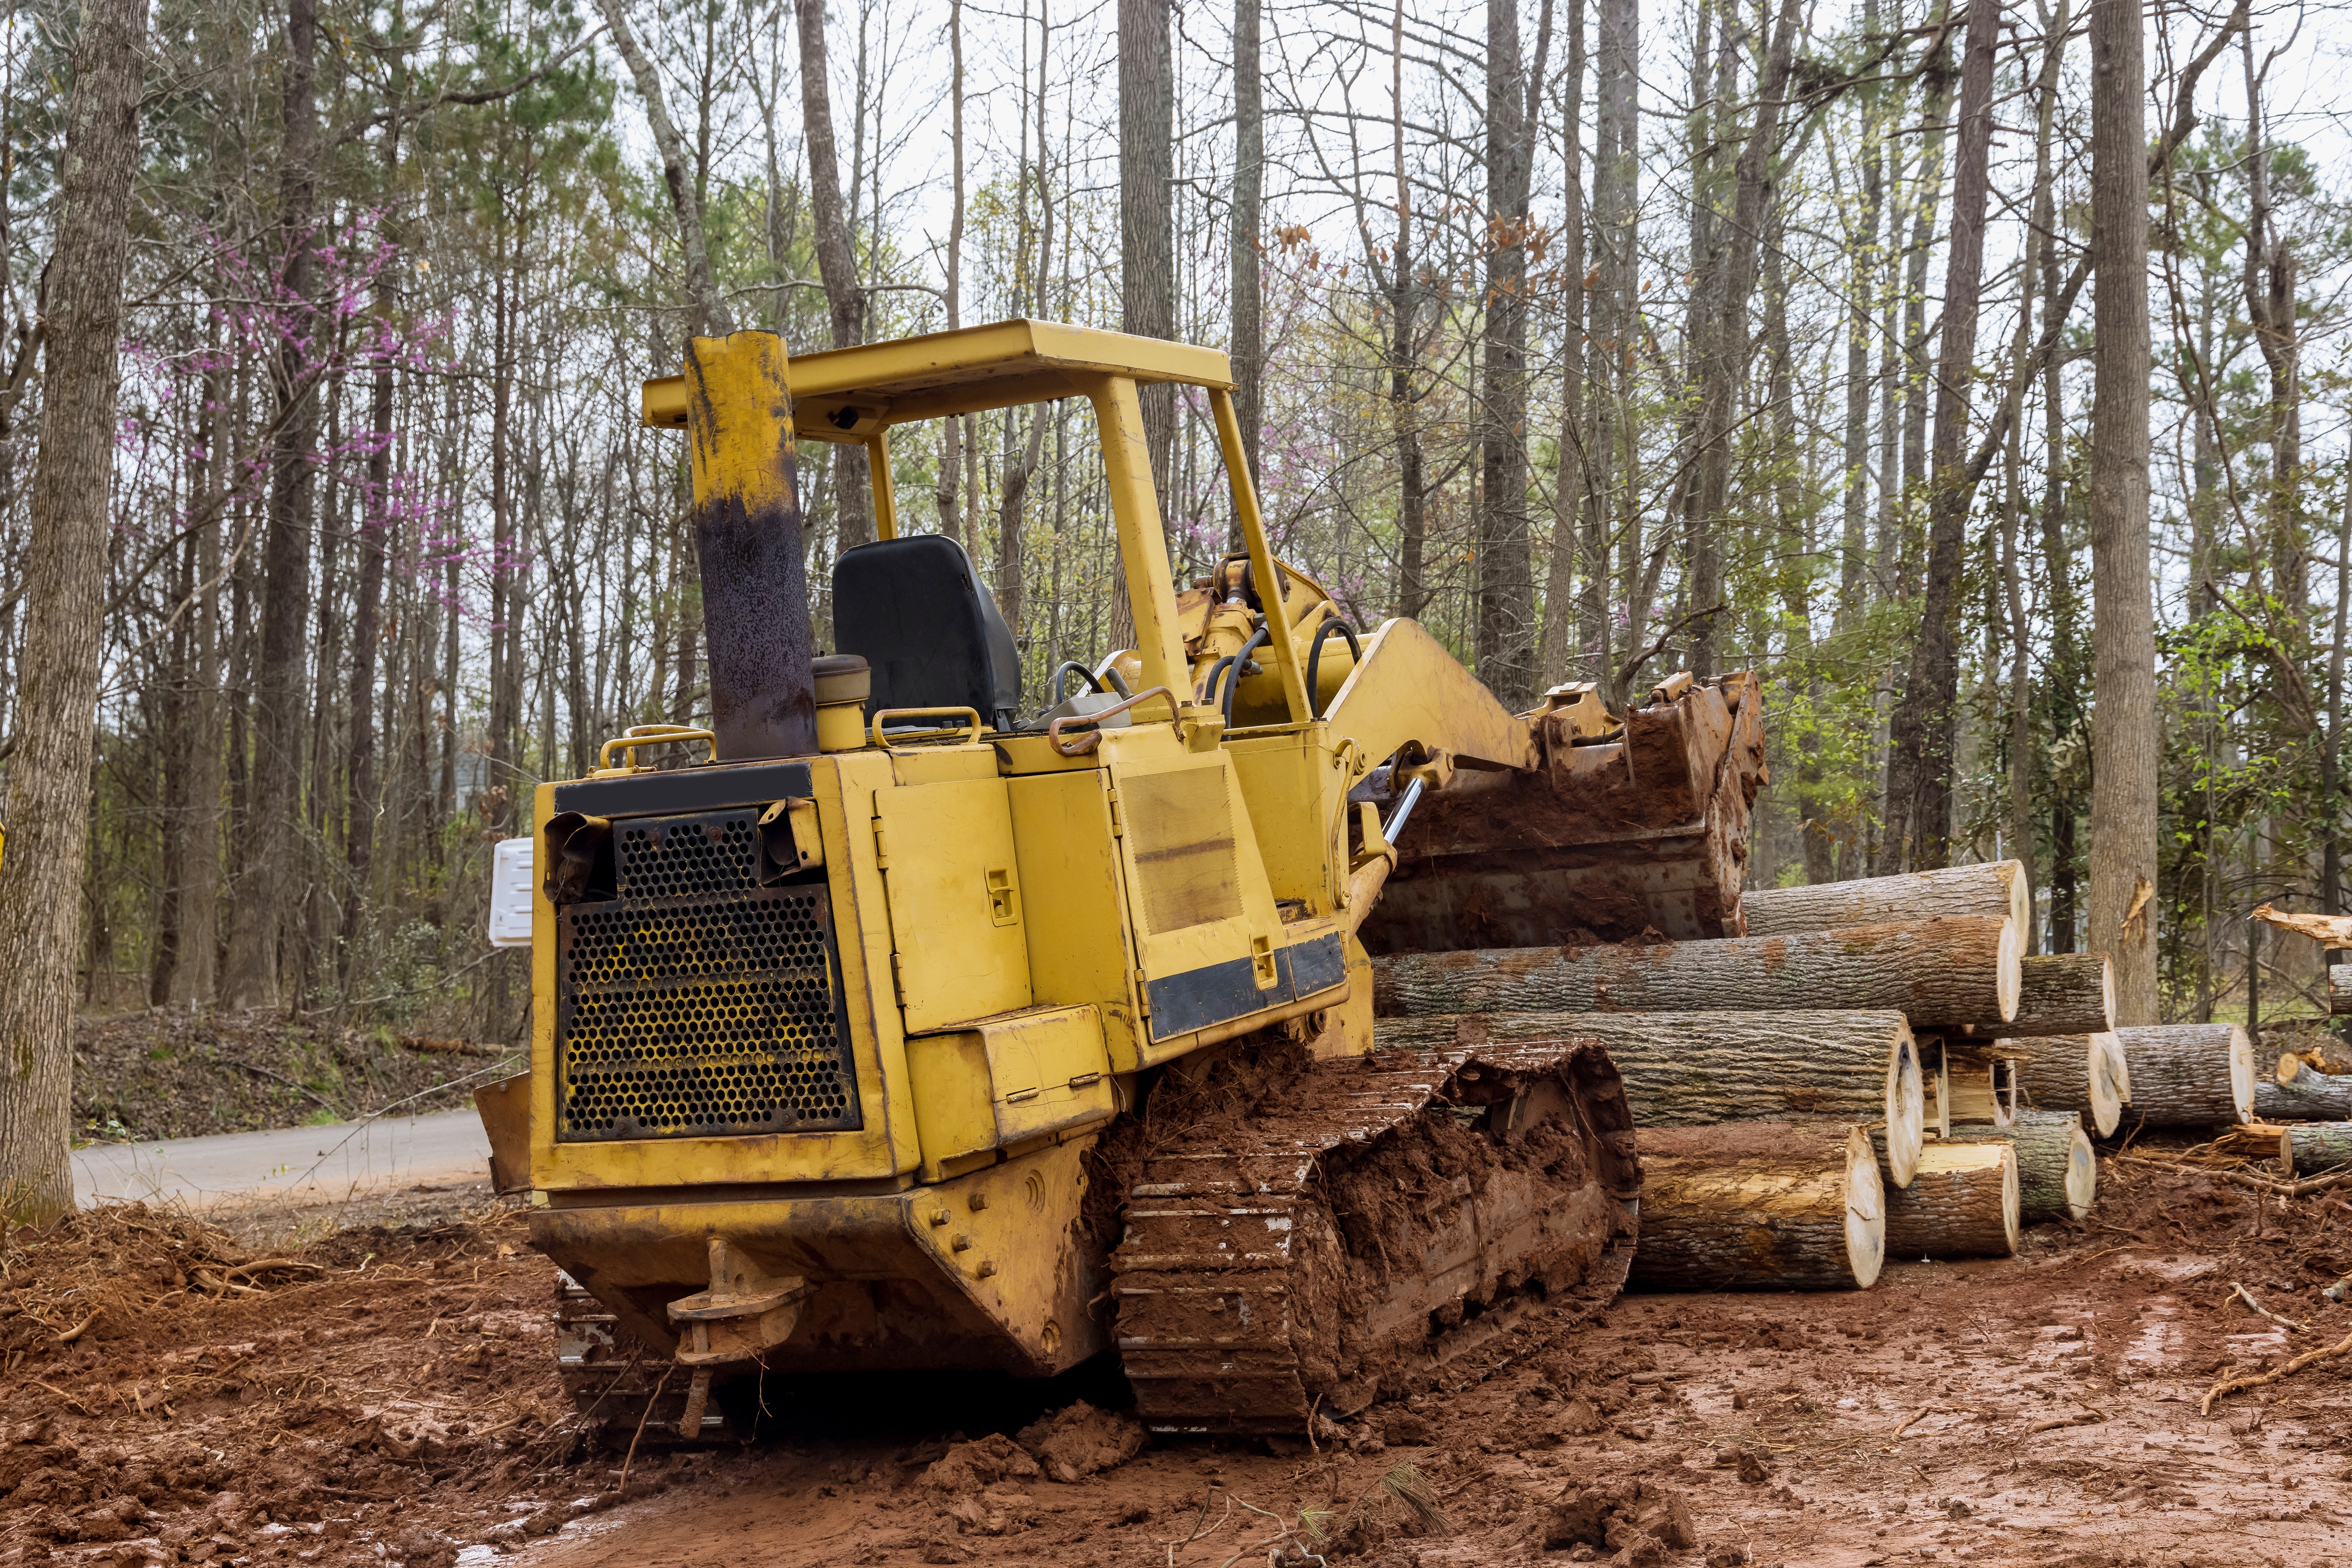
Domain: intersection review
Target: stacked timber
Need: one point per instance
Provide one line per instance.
(1754, 1206)
(1965, 1202)
(1694, 1070)
(2057, 1170)
(2188, 1074)
(2080, 1073)
(1784, 1103)
(1956, 973)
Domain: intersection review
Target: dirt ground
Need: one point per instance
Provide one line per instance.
(387, 1395)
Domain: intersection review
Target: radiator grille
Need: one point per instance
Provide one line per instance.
(699, 1004)
(1180, 828)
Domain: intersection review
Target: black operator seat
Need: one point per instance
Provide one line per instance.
(918, 615)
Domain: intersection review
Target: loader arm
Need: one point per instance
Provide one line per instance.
(1407, 688)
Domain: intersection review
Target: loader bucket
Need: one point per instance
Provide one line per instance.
(1640, 830)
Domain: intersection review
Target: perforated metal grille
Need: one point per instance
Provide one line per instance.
(680, 857)
(708, 1008)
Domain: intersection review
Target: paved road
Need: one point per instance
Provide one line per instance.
(294, 1165)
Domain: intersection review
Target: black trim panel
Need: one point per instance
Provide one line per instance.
(1199, 998)
(688, 789)
(1315, 966)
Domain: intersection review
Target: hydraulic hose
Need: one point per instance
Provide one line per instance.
(1240, 665)
(1315, 660)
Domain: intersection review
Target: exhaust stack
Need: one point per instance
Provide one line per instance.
(747, 537)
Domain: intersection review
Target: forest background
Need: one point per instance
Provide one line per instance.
(1607, 339)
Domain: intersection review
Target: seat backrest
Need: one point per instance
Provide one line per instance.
(917, 613)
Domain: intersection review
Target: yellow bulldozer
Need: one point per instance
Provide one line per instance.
(890, 1024)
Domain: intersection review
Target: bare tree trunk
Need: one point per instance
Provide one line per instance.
(1725, 365)
(1146, 195)
(65, 593)
(1248, 221)
(1404, 317)
(1862, 274)
(1616, 212)
(2124, 734)
(1506, 623)
(711, 314)
(1570, 564)
(1919, 784)
(836, 258)
(197, 969)
(251, 976)
(952, 430)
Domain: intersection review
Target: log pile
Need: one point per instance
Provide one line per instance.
(1872, 1071)
(1792, 1124)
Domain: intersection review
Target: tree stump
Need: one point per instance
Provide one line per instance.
(2188, 1074)
(1963, 1203)
(1997, 890)
(2079, 1073)
(1760, 1206)
(2057, 1169)
(1692, 1070)
(1960, 973)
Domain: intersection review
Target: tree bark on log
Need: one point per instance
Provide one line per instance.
(2057, 1169)
(1952, 974)
(1692, 1070)
(1760, 1206)
(2063, 993)
(2305, 1096)
(2304, 1151)
(2339, 989)
(1963, 1203)
(1995, 888)
(2081, 1074)
(2188, 1074)
(1983, 1084)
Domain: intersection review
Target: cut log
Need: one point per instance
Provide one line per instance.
(2339, 986)
(2063, 993)
(2302, 1095)
(1983, 1084)
(2188, 1074)
(1996, 888)
(2307, 1150)
(1692, 1070)
(1963, 1203)
(2057, 1169)
(2079, 1073)
(1957, 973)
(1937, 1086)
(1757, 1205)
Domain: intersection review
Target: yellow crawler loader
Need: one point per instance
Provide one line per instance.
(900, 1021)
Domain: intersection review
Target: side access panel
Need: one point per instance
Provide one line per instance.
(1196, 892)
(959, 945)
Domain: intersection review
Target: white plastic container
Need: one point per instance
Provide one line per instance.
(511, 891)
